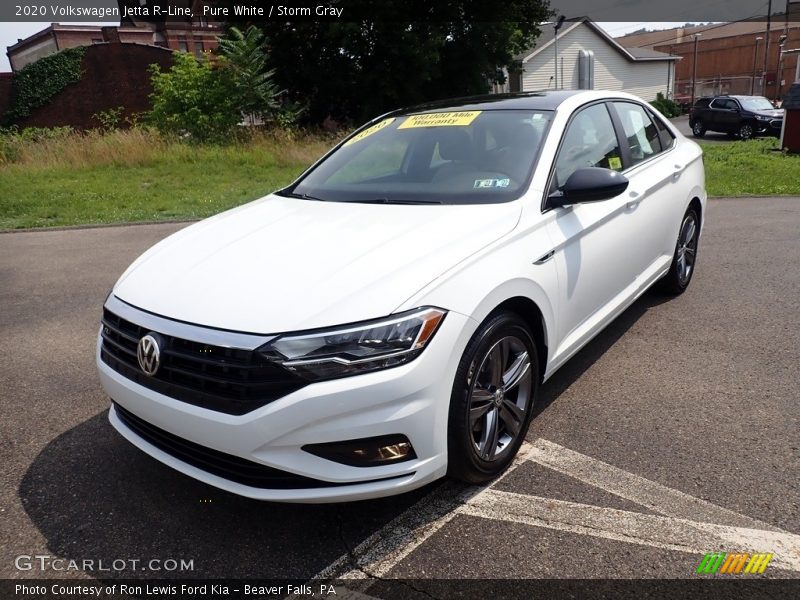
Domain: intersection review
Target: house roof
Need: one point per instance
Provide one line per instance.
(547, 37)
(677, 35)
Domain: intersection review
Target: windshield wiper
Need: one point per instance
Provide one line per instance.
(304, 196)
(395, 201)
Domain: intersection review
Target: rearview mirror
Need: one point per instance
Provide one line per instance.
(590, 184)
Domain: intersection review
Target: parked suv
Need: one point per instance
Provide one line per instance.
(738, 116)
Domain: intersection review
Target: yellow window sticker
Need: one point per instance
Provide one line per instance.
(369, 131)
(446, 119)
(614, 162)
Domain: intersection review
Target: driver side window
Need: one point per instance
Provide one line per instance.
(589, 141)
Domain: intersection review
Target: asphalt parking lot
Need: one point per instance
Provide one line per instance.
(673, 434)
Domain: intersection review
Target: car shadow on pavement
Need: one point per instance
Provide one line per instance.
(576, 366)
(94, 496)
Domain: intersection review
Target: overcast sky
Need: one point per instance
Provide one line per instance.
(11, 32)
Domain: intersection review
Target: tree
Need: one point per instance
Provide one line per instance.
(256, 93)
(393, 54)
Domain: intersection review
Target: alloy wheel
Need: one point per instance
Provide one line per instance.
(687, 248)
(746, 131)
(500, 395)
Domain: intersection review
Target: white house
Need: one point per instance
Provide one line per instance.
(589, 58)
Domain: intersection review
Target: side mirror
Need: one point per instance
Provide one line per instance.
(590, 184)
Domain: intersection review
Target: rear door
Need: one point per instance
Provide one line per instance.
(657, 187)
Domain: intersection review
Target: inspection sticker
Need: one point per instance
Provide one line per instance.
(446, 119)
(491, 183)
(369, 131)
(614, 162)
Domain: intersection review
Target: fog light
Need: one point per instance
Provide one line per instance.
(366, 452)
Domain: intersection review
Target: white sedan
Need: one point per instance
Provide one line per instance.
(388, 318)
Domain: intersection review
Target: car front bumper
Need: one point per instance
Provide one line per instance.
(411, 399)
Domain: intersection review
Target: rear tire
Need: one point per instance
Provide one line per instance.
(684, 259)
(492, 399)
(698, 129)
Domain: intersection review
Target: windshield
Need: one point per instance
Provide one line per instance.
(464, 157)
(756, 103)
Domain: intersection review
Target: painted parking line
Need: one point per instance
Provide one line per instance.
(685, 523)
(654, 496)
(668, 533)
(376, 555)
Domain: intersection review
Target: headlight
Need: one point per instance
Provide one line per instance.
(356, 349)
(761, 118)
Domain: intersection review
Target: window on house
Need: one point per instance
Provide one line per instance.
(183, 44)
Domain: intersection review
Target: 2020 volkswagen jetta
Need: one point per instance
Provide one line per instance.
(388, 318)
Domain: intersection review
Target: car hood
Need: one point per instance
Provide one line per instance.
(772, 114)
(282, 264)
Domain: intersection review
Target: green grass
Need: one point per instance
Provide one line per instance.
(85, 180)
(751, 168)
(121, 177)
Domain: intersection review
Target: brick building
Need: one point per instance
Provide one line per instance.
(196, 35)
(730, 56)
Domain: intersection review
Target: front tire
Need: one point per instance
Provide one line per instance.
(698, 129)
(684, 259)
(492, 399)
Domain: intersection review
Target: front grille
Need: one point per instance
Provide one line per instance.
(776, 124)
(229, 380)
(227, 466)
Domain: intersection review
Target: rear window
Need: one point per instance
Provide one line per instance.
(444, 158)
(665, 136)
(640, 131)
(702, 103)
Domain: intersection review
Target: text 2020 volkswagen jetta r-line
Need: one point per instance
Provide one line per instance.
(388, 318)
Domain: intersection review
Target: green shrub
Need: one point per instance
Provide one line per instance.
(668, 108)
(194, 99)
(109, 119)
(36, 84)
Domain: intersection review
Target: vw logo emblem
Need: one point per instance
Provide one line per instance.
(149, 354)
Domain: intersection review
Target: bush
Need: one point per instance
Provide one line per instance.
(668, 108)
(195, 99)
(109, 119)
(205, 99)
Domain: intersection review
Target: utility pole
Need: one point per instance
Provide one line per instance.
(694, 68)
(556, 27)
(755, 58)
(779, 70)
(766, 48)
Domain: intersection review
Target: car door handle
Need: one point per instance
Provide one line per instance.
(635, 199)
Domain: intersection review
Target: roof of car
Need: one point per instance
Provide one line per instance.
(541, 100)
